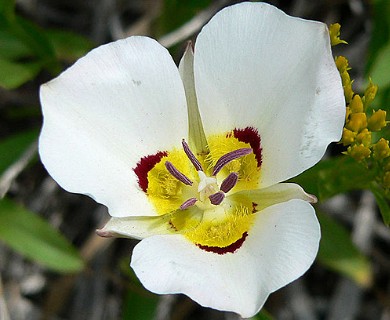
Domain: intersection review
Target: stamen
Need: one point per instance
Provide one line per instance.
(191, 156)
(226, 158)
(177, 174)
(217, 198)
(229, 182)
(188, 203)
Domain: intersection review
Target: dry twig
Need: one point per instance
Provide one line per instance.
(15, 169)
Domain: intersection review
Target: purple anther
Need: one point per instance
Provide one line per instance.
(226, 158)
(191, 156)
(229, 182)
(188, 203)
(177, 174)
(217, 198)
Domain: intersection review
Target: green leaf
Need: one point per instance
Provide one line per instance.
(28, 38)
(175, 13)
(380, 68)
(7, 8)
(139, 305)
(12, 48)
(338, 253)
(13, 74)
(262, 315)
(68, 46)
(381, 31)
(337, 175)
(36, 239)
(383, 202)
(13, 147)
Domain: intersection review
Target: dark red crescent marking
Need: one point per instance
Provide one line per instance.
(229, 249)
(250, 135)
(145, 165)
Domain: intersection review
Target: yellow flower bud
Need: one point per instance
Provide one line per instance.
(381, 149)
(377, 121)
(359, 152)
(342, 64)
(364, 138)
(386, 165)
(345, 78)
(348, 92)
(347, 113)
(357, 122)
(348, 137)
(370, 93)
(334, 32)
(356, 104)
(386, 179)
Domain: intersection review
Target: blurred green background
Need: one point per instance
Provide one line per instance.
(53, 266)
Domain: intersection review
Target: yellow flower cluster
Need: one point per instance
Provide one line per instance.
(360, 122)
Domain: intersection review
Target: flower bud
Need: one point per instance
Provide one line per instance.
(342, 64)
(357, 122)
(348, 92)
(359, 152)
(334, 33)
(381, 149)
(377, 121)
(369, 94)
(356, 104)
(348, 137)
(364, 138)
(347, 113)
(386, 179)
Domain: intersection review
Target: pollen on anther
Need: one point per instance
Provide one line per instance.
(195, 162)
(226, 158)
(188, 203)
(177, 174)
(229, 182)
(217, 198)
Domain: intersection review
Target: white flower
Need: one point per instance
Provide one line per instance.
(216, 223)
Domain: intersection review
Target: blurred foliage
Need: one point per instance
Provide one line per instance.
(26, 50)
(140, 306)
(262, 315)
(36, 239)
(378, 62)
(339, 253)
(340, 175)
(174, 14)
(12, 147)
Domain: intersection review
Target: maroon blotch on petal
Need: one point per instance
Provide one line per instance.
(229, 249)
(145, 165)
(250, 135)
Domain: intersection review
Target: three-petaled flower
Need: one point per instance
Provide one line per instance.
(191, 160)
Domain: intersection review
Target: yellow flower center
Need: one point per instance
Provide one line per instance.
(194, 190)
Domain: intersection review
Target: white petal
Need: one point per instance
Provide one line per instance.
(121, 102)
(256, 66)
(280, 247)
(136, 227)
